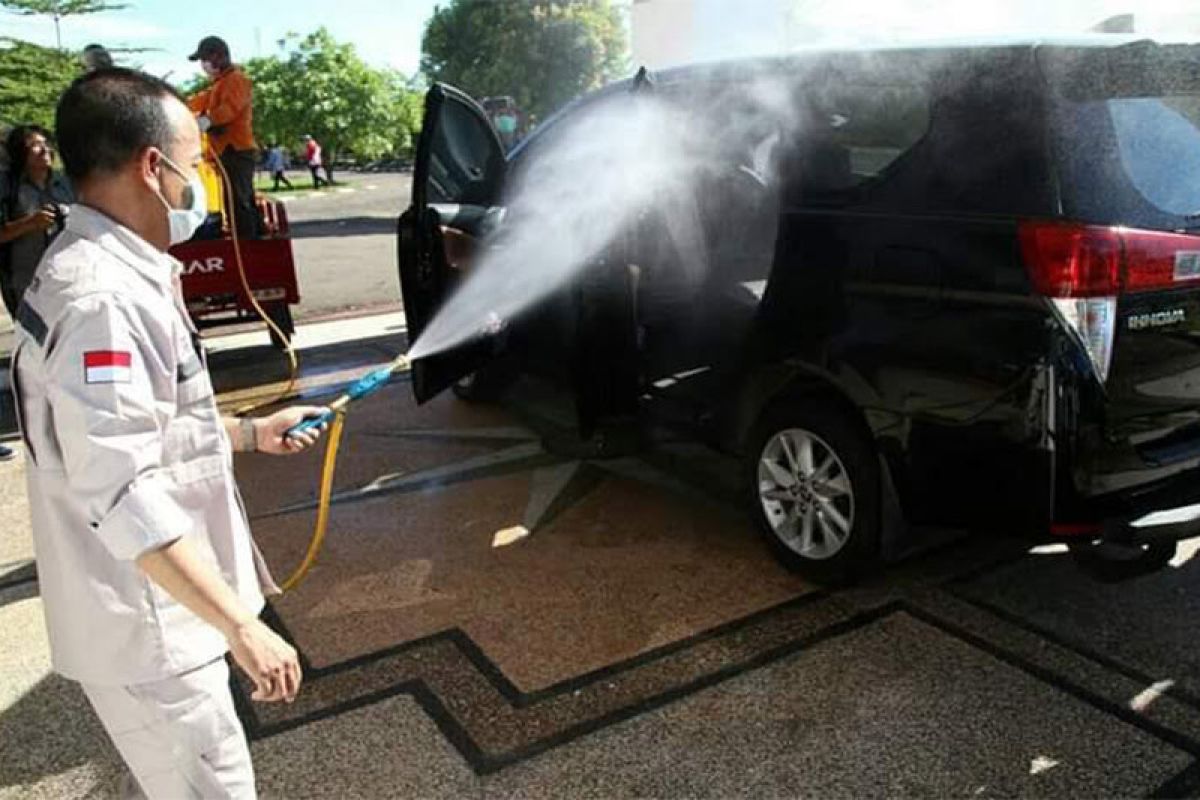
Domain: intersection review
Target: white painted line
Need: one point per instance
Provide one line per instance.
(318, 334)
(1042, 764)
(1147, 697)
(1171, 516)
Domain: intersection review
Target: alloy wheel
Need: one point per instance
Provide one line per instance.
(806, 494)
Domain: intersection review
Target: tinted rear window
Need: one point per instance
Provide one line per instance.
(1159, 144)
(1127, 128)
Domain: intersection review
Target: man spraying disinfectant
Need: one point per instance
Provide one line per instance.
(147, 570)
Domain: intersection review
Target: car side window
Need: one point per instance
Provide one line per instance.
(852, 131)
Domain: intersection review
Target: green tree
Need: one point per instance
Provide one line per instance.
(541, 52)
(32, 77)
(323, 88)
(58, 10)
(31, 80)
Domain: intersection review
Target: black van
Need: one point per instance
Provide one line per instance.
(967, 289)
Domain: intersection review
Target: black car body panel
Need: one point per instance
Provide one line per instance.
(898, 284)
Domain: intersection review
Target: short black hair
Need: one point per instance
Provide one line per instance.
(106, 117)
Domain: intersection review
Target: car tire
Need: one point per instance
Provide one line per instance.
(281, 315)
(820, 511)
(1114, 564)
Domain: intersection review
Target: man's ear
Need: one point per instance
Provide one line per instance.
(149, 166)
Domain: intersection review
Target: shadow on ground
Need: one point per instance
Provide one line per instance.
(344, 226)
(52, 733)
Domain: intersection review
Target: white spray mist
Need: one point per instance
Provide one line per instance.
(597, 173)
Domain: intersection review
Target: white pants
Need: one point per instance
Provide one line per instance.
(180, 737)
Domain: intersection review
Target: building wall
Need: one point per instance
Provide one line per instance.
(662, 32)
(665, 33)
(670, 32)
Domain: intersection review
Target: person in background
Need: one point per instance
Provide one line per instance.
(312, 156)
(505, 118)
(95, 57)
(225, 111)
(506, 126)
(507, 123)
(33, 209)
(276, 164)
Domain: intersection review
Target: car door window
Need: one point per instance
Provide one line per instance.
(853, 131)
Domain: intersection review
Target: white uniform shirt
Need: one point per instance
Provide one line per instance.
(126, 452)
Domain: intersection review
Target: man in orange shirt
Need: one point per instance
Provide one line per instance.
(225, 111)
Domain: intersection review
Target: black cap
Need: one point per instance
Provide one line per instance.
(210, 46)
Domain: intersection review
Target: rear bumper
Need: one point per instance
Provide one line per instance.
(1164, 512)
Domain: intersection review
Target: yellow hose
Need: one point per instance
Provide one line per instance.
(318, 538)
(365, 385)
(338, 406)
(335, 432)
(293, 364)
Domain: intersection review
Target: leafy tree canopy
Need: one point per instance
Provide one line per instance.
(31, 80)
(58, 9)
(324, 89)
(542, 53)
(33, 77)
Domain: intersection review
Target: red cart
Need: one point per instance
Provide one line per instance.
(213, 288)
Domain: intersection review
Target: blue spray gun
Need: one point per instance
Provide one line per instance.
(367, 384)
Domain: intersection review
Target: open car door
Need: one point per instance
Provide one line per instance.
(457, 177)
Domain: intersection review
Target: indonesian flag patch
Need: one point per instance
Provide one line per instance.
(107, 366)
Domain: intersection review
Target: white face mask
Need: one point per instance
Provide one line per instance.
(183, 222)
(210, 69)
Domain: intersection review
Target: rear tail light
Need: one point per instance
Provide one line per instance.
(1083, 269)
(1155, 260)
(1071, 260)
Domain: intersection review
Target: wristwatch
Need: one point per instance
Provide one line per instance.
(249, 435)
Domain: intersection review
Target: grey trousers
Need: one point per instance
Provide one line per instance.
(180, 737)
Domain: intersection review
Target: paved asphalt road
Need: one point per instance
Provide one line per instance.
(345, 244)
